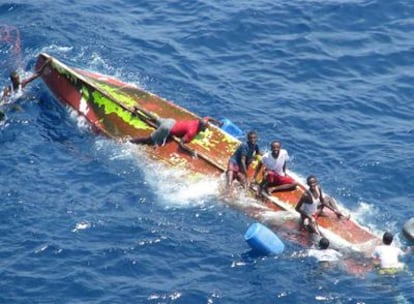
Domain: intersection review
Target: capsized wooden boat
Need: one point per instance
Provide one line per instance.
(108, 104)
(113, 109)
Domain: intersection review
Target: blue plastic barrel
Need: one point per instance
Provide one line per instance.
(264, 240)
(231, 128)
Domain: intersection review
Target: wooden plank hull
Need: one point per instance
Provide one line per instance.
(108, 104)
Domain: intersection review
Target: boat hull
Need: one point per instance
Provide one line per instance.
(92, 96)
(110, 106)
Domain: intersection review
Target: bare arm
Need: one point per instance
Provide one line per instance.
(323, 201)
(300, 203)
(183, 146)
(257, 170)
(215, 122)
(330, 203)
(243, 165)
(37, 73)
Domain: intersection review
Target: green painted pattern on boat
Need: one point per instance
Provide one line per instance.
(119, 95)
(126, 99)
(99, 99)
(64, 71)
(111, 107)
(204, 139)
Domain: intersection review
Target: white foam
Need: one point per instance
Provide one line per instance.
(174, 187)
(81, 121)
(57, 48)
(82, 225)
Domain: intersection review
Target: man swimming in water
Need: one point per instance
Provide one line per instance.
(17, 85)
(387, 256)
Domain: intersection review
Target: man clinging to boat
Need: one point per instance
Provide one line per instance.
(17, 85)
(186, 130)
(275, 177)
(240, 161)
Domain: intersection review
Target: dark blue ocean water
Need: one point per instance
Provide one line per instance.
(83, 220)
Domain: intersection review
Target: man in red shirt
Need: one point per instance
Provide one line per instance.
(186, 130)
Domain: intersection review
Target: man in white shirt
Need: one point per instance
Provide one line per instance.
(274, 176)
(387, 256)
(325, 254)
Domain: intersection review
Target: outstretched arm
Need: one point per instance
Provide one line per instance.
(215, 121)
(243, 167)
(330, 203)
(37, 73)
(284, 169)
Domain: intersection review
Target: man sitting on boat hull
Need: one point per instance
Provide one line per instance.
(275, 177)
(240, 161)
(312, 203)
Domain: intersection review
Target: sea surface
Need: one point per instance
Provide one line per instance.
(83, 220)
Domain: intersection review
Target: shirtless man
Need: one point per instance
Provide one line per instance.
(312, 203)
